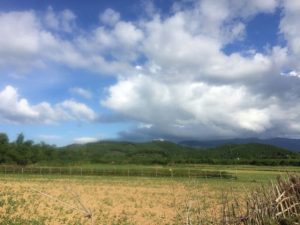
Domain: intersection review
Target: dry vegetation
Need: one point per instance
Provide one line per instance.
(116, 201)
(36, 200)
(278, 203)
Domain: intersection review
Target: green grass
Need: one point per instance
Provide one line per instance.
(122, 170)
(244, 174)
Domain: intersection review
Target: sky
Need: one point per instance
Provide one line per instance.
(137, 70)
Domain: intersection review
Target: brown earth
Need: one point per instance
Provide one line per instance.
(111, 201)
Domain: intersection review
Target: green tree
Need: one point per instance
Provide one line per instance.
(4, 147)
(20, 139)
(4, 139)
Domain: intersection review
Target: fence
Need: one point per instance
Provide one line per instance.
(145, 172)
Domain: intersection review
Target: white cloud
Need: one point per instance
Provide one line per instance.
(257, 6)
(81, 92)
(84, 140)
(149, 8)
(175, 40)
(200, 110)
(190, 88)
(120, 42)
(177, 51)
(289, 28)
(62, 21)
(292, 73)
(256, 120)
(77, 110)
(15, 109)
(109, 17)
(19, 39)
(127, 34)
(184, 86)
(33, 45)
(68, 20)
(190, 106)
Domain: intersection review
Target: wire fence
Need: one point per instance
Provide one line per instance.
(130, 172)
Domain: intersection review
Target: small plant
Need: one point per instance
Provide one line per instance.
(78, 205)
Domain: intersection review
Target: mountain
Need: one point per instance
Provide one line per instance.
(286, 143)
(154, 152)
(160, 152)
(164, 152)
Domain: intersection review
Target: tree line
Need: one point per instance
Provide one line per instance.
(24, 152)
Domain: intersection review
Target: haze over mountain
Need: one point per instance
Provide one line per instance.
(286, 143)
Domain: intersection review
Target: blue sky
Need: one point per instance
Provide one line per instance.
(74, 71)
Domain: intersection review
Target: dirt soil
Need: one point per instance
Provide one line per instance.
(116, 201)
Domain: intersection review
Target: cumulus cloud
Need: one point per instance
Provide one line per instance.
(34, 43)
(62, 21)
(109, 17)
(21, 29)
(189, 88)
(120, 43)
(191, 108)
(77, 110)
(176, 52)
(288, 27)
(173, 77)
(15, 109)
(292, 73)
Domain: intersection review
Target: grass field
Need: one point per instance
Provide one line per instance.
(54, 199)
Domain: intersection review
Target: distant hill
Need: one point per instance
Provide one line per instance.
(160, 152)
(164, 152)
(24, 152)
(286, 143)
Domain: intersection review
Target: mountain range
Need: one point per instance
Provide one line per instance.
(286, 143)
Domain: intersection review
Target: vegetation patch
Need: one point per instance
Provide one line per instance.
(25, 152)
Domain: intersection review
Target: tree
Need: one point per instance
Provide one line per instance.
(20, 139)
(4, 147)
(4, 139)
